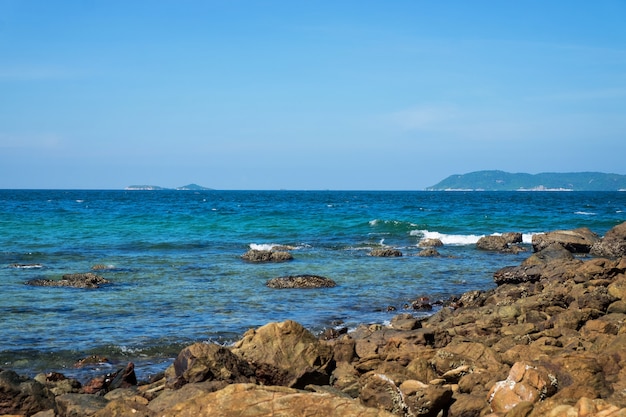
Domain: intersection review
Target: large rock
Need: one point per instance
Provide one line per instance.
(262, 256)
(525, 382)
(86, 280)
(385, 253)
(286, 354)
(301, 281)
(202, 361)
(613, 244)
(501, 243)
(576, 241)
(20, 395)
(263, 401)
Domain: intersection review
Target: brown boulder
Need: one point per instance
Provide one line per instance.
(493, 243)
(525, 382)
(428, 242)
(263, 401)
(20, 395)
(385, 253)
(286, 354)
(201, 362)
(576, 241)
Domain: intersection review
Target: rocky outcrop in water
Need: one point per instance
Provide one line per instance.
(259, 256)
(385, 252)
(86, 280)
(301, 281)
(576, 241)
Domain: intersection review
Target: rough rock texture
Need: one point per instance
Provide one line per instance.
(86, 280)
(286, 354)
(613, 244)
(506, 243)
(429, 252)
(385, 252)
(19, 395)
(254, 400)
(430, 242)
(260, 256)
(576, 241)
(301, 281)
(202, 361)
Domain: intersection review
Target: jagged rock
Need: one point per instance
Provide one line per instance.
(550, 253)
(122, 378)
(20, 395)
(429, 253)
(261, 401)
(385, 253)
(576, 241)
(517, 274)
(613, 244)
(86, 280)
(493, 243)
(286, 354)
(79, 405)
(428, 242)
(207, 361)
(261, 256)
(525, 382)
(301, 281)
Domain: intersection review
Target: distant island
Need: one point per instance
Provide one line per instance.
(190, 187)
(549, 181)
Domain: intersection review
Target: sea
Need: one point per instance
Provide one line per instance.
(174, 262)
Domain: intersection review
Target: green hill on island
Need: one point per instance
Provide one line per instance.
(549, 181)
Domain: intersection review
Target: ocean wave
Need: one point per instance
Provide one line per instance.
(272, 246)
(585, 213)
(454, 239)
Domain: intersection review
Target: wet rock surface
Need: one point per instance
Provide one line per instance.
(301, 281)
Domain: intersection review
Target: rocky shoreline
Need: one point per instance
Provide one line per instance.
(549, 340)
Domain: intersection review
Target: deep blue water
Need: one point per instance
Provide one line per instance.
(177, 274)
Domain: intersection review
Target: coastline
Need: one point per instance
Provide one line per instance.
(549, 340)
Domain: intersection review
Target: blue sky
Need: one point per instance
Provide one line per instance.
(337, 94)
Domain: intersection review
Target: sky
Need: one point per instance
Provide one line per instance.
(307, 95)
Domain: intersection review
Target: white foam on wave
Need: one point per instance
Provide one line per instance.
(585, 213)
(275, 246)
(263, 246)
(451, 239)
(447, 239)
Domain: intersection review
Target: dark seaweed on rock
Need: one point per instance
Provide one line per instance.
(301, 281)
(86, 280)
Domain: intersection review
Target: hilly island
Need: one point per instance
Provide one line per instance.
(549, 181)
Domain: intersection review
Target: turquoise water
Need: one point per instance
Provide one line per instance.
(177, 276)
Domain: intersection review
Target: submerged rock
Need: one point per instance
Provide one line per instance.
(86, 280)
(385, 252)
(258, 256)
(301, 281)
